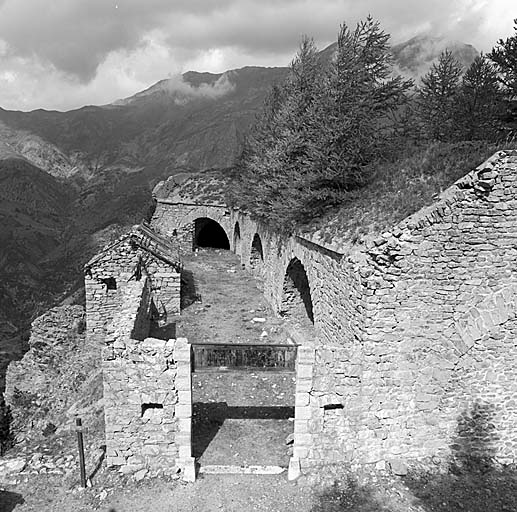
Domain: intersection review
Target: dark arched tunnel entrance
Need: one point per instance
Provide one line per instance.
(297, 302)
(209, 233)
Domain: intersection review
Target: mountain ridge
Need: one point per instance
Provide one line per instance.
(103, 161)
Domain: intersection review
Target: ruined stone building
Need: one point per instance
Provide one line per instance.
(407, 340)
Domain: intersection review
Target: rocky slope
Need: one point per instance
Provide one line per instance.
(58, 378)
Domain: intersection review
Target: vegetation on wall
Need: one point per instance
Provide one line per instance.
(331, 127)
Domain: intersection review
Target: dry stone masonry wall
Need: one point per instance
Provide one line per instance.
(107, 275)
(413, 343)
(177, 222)
(147, 395)
(407, 340)
(436, 295)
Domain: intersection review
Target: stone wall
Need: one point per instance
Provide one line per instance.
(177, 222)
(146, 392)
(334, 286)
(413, 341)
(109, 274)
(430, 330)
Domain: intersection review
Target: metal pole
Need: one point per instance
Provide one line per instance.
(80, 444)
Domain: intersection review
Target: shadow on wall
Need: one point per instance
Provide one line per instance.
(9, 500)
(297, 302)
(188, 292)
(237, 239)
(163, 332)
(472, 482)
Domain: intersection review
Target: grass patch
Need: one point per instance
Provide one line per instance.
(400, 188)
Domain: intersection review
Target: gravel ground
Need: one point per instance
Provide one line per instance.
(220, 301)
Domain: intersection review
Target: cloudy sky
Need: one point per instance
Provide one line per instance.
(62, 54)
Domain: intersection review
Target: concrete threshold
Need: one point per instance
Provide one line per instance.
(214, 469)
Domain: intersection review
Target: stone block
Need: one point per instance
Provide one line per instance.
(300, 452)
(184, 425)
(294, 470)
(183, 439)
(183, 411)
(302, 439)
(301, 400)
(129, 469)
(150, 450)
(303, 413)
(184, 396)
(188, 467)
(184, 451)
(184, 384)
(398, 467)
(304, 385)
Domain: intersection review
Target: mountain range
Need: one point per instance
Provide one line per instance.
(69, 180)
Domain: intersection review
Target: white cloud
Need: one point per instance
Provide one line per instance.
(65, 53)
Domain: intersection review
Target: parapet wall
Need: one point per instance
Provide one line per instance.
(413, 343)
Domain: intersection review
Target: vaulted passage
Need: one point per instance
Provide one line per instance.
(257, 253)
(297, 302)
(209, 233)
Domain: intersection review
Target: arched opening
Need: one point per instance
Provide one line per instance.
(237, 239)
(209, 233)
(297, 302)
(257, 253)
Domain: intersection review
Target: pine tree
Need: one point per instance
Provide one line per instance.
(504, 56)
(357, 114)
(321, 130)
(277, 148)
(437, 98)
(479, 106)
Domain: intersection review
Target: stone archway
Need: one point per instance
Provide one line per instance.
(296, 298)
(257, 253)
(209, 233)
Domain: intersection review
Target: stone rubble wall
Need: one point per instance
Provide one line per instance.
(177, 222)
(430, 333)
(146, 399)
(413, 344)
(120, 263)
